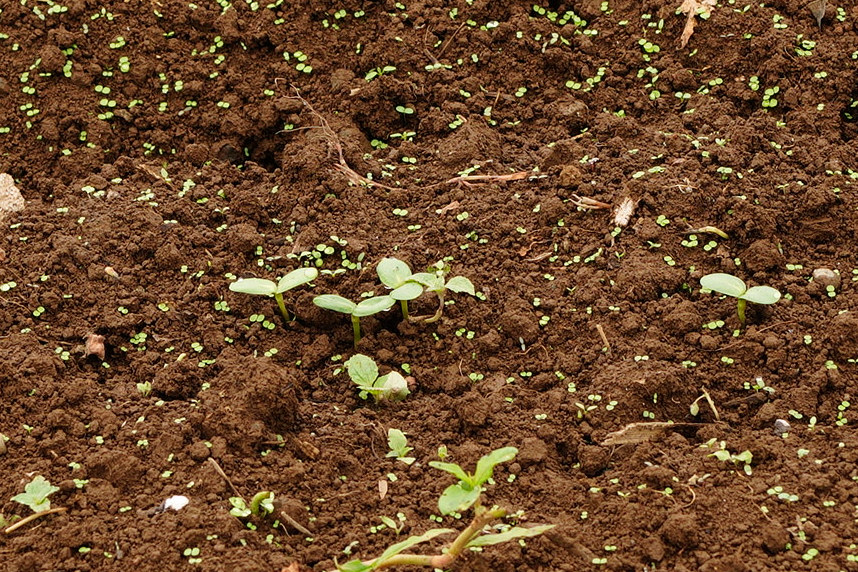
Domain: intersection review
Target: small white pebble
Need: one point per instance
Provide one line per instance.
(176, 502)
(782, 426)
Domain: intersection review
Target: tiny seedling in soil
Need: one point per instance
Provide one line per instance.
(399, 448)
(262, 504)
(262, 287)
(436, 281)
(396, 275)
(456, 498)
(732, 286)
(366, 307)
(389, 387)
(36, 494)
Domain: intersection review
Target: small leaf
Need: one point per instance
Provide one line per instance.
(296, 278)
(408, 291)
(36, 494)
(451, 468)
(486, 465)
(762, 295)
(256, 286)
(694, 409)
(392, 272)
(362, 369)
(335, 303)
(460, 284)
(372, 306)
(724, 283)
(431, 280)
(398, 443)
(457, 498)
(511, 534)
(394, 386)
(354, 566)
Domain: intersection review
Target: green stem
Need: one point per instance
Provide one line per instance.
(356, 329)
(280, 304)
(440, 311)
(481, 519)
(404, 305)
(740, 309)
(256, 502)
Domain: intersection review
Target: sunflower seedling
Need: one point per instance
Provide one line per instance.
(436, 281)
(262, 287)
(389, 387)
(396, 275)
(366, 307)
(262, 504)
(36, 494)
(736, 287)
(398, 444)
(456, 498)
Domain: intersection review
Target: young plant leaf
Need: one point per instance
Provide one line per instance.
(373, 305)
(724, 283)
(511, 534)
(255, 286)
(460, 284)
(431, 280)
(458, 498)
(36, 494)
(392, 386)
(408, 291)
(451, 468)
(392, 272)
(296, 278)
(335, 303)
(486, 465)
(762, 295)
(362, 369)
(398, 443)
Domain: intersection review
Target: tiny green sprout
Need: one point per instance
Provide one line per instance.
(262, 504)
(262, 287)
(435, 281)
(36, 494)
(736, 287)
(399, 448)
(364, 373)
(397, 276)
(366, 307)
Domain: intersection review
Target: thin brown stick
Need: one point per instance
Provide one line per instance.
(588, 204)
(219, 471)
(604, 337)
(33, 517)
(295, 524)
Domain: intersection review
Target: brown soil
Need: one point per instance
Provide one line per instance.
(173, 193)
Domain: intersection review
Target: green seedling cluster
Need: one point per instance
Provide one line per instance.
(262, 504)
(386, 388)
(404, 286)
(736, 287)
(459, 497)
(262, 287)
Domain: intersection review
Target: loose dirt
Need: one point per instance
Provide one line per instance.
(164, 148)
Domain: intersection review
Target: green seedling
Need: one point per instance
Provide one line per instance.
(389, 387)
(262, 504)
(436, 281)
(399, 448)
(366, 307)
(36, 494)
(262, 287)
(459, 497)
(736, 287)
(396, 275)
